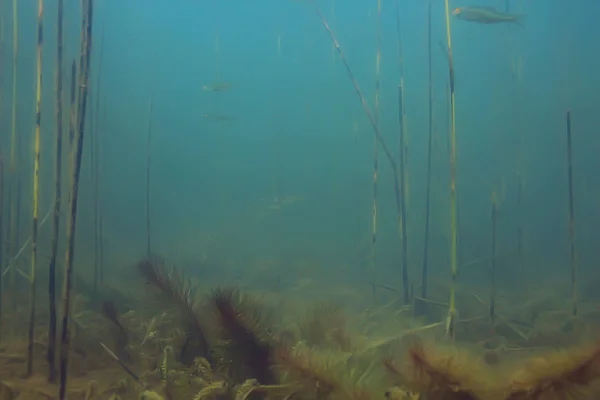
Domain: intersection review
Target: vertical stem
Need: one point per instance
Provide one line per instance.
(92, 151)
(36, 190)
(95, 143)
(2, 24)
(453, 208)
(72, 119)
(72, 109)
(14, 154)
(376, 146)
(376, 131)
(516, 78)
(101, 247)
(402, 167)
(148, 167)
(2, 21)
(51, 353)
(425, 267)
(520, 227)
(571, 220)
(96, 206)
(86, 48)
(492, 312)
(1, 241)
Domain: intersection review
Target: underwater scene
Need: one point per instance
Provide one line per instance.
(299, 200)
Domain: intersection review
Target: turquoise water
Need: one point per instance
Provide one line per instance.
(278, 168)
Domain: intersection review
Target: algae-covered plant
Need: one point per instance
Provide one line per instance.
(171, 271)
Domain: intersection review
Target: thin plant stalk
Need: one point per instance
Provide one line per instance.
(92, 159)
(520, 223)
(1, 183)
(450, 321)
(148, 167)
(101, 246)
(572, 254)
(72, 108)
(35, 193)
(402, 165)
(376, 146)
(95, 143)
(72, 122)
(51, 351)
(84, 73)
(36, 190)
(492, 313)
(13, 187)
(425, 267)
(516, 78)
(1, 241)
(96, 204)
(370, 116)
(360, 94)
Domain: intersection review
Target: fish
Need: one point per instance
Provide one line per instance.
(486, 15)
(277, 202)
(218, 117)
(218, 87)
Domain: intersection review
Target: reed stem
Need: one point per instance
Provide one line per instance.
(13, 186)
(450, 321)
(372, 120)
(402, 167)
(376, 146)
(51, 352)
(148, 168)
(36, 189)
(72, 110)
(1, 242)
(95, 161)
(571, 219)
(425, 267)
(492, 313)
(101, 247)
(84, 72)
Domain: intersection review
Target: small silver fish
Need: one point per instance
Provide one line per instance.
(219, 87)
(217, 117)
(486, 15)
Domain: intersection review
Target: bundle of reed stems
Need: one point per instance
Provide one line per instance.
(450, 321)
(84, 73)
(36, 186)
(52, 331)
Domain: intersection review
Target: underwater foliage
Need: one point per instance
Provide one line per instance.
(181, 342)
(175, 290)
(240, 320)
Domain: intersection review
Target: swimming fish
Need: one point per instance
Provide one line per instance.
(486, 15)
(219, 87)
(218, 117)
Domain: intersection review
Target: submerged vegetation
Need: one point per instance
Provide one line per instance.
(173, 333)
(177, 341)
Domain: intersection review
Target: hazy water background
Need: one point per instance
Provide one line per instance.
(298, 121)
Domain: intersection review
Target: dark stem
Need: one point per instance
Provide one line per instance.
(51, 353)
(571, 219)
(429, 147)
(86, 48)
(36, 191)
(95, 142)
(401, 200)
(148, 167)
(1, 240)
(492, 313)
